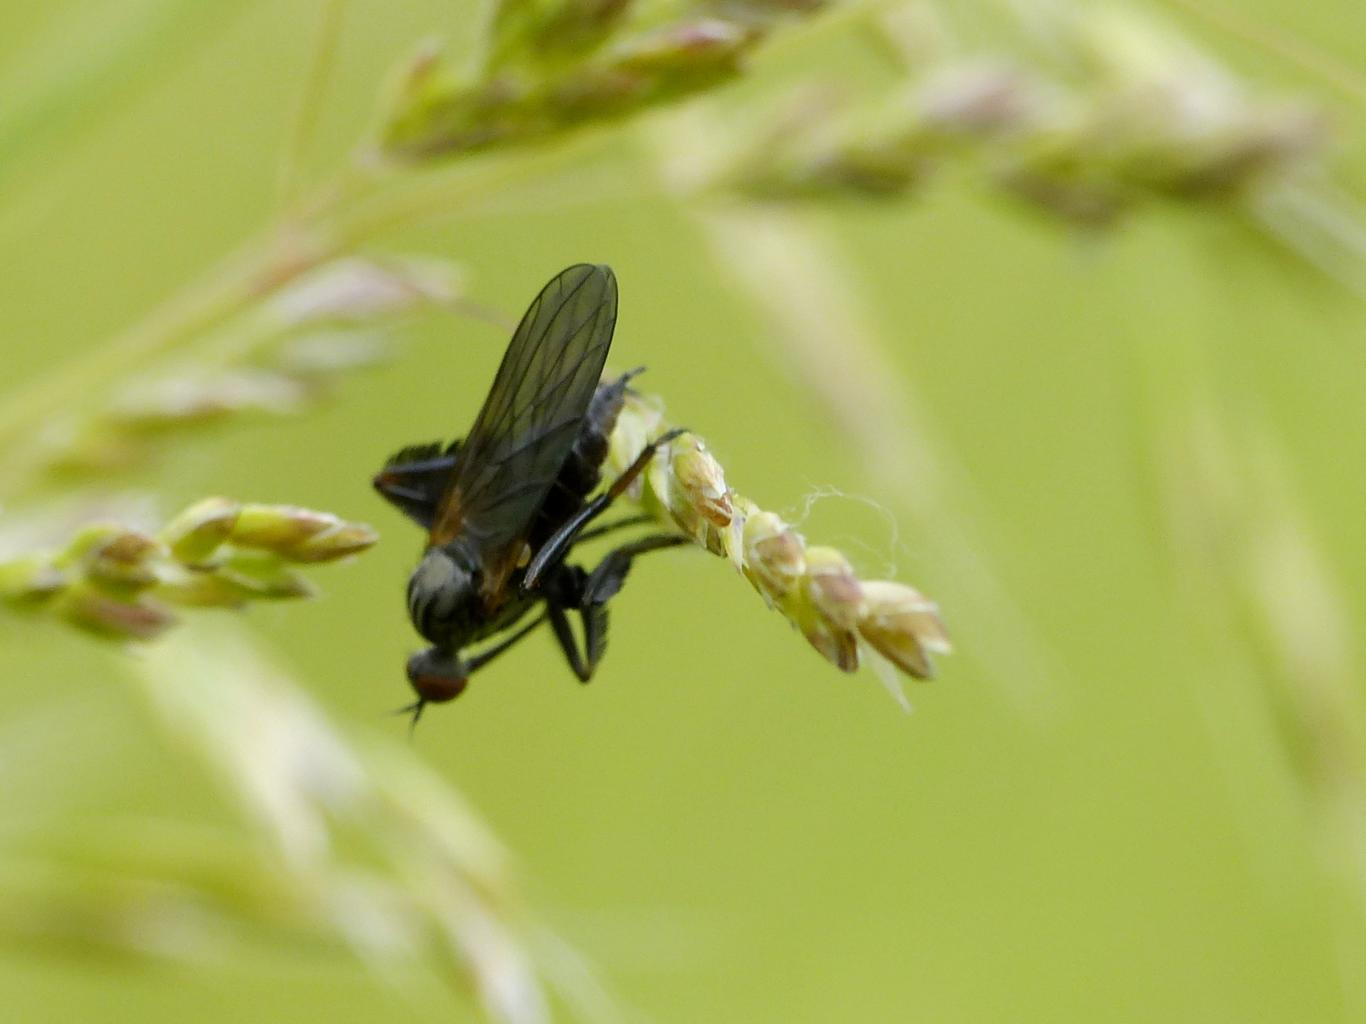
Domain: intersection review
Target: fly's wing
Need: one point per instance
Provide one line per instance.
(530, 419)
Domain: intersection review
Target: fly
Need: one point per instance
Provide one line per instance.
(504, 508)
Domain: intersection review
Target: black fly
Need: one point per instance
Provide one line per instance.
(504, 507)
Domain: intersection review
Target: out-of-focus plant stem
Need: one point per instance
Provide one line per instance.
(252, 272)
(1347, 80)
(86, 63)
(311, 99)
(335, 220)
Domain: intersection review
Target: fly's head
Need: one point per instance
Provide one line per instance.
(444, 603)
(436, 675)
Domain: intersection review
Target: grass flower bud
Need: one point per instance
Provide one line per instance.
(774, 555)
(299, 534)
(29, 580)
(699, 500)
(88, 608)
(903, 626)
(833, 588)
(124, 563)
(199, 531)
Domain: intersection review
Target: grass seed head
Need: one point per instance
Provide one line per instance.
(814, 587)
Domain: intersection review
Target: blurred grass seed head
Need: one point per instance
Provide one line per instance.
(117, 582)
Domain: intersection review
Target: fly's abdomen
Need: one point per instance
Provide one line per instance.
(582, 469)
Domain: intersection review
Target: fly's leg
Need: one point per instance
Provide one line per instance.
(606, 579)
(604, 582)
(588, 593)
(620, 524)
(484, 657)
(554, 549)
(564, 634)
(478, 661)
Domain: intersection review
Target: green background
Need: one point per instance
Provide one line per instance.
(1092, 814)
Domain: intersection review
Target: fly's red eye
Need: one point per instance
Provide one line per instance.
(438, 689)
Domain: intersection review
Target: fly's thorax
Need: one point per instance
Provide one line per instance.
(443, 596)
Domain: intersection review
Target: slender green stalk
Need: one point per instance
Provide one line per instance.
(311, 99)
(253, 271)
(1343, 77)
(83, 66)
